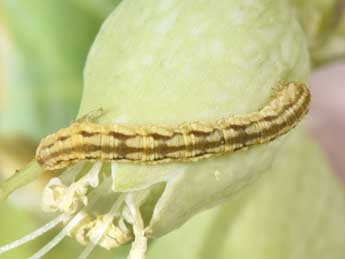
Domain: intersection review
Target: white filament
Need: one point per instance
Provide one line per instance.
(113, 176)
(68, 175)
(33, 235)
(56, 240)
(139, 246)
(92, 177)
(94, 242)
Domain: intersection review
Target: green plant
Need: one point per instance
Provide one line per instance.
(172, 61)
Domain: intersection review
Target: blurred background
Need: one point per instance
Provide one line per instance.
(43, 48)
(327, 118)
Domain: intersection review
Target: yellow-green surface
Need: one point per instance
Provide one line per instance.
(296, 210)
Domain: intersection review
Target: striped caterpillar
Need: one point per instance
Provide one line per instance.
(84, 140)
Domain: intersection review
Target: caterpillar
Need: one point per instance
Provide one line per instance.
(85, 140)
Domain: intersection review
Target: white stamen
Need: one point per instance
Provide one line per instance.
(91, 246)
(57, 239)
(95, 240)
(35, 234)
(57, 196)
(139, 246)
(126, 214)
(92, 177)
(113, 176)
(122, 225)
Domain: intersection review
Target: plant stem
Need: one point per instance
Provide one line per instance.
(23, 177)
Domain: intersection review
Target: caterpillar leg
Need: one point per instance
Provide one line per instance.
(91, 116)
(281, 84)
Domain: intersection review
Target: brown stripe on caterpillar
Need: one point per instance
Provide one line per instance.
(123, 150)
(85, 140)
(206, 130)
(158, 136)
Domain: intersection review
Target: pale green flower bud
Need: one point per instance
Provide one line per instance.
(173, 61)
